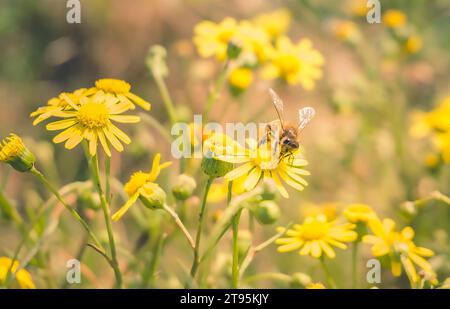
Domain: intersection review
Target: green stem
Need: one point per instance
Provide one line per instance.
(201, 220)
(235, 230)
(9, 210)
(107, 179)
(149, 274)
(354, 264)
(58, 196)
(107, 217)
(215, 91)
(168, 103)
(180, 224)
(328, 276)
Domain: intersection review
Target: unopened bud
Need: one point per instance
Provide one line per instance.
(183, 187)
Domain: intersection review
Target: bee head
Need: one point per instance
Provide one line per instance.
(290, 144)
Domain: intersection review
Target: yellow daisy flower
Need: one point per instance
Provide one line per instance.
(296, 63)
(92, 120)
(255, 42)
(394, 18)
(56, 105)
(241, 78)
(355, 213)
(122, 91)
(274, 23)
(317, 235)
(399, 247)
(212, 39)
(22, 276)
(141, 184)
(436, 124)
(261, 163)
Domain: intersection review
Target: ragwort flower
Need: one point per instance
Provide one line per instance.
(296, 63)
(141, 186)
(355, 213)
(399, 247)
(317, 235)
(274, 23)
(260, 162)
(22, 276)
(15, 153)
(92, 120)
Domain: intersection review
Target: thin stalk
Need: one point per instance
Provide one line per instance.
(149, 274)
(72, 211)
(107, 179)
(180, 224)
(354, 264)
(167, 100)
(215, 90)
(234, 245)
(328, 276)
(201, 220)
(107, 217)
(9, 210)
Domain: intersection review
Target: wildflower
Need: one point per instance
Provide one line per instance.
(413, 44)
(436, 124)
(92, 121)
(256, 43)
(328, 209)
(357, 7)
(399, 247)
(317, 235)
(355, 213)
(394, 18)
(241, 78)
(141, 185)
(261, 163)
(346, 30)
(212, 39)
(22, 276)
(15, 153)
(122, 91)
(275, 23)
(56, 105)
(296, 63)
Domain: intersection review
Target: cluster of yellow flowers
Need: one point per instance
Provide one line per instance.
(88, 114)
(22, 276)
(262, 43)
(435, 124)
(404, 32)
(318, 234)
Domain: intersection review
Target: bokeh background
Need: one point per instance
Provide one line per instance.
(359, 145)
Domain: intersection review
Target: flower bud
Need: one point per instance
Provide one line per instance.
(88, 200)
(215, 168)
(269, 189)
(14, 152)
(153, 196)
(267, 212)
(156, 61)
(183, 187)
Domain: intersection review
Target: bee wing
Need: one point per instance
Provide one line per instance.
(278, 103)
(305, 116)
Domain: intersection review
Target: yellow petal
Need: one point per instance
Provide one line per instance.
(119, 214)
(61, 124)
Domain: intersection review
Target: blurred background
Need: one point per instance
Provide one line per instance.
(359, 146)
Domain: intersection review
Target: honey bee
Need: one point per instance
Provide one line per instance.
(284, 136)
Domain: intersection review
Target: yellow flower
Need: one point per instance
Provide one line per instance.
(92, 120)
(275, 23)
(317, 235)
(394, 18)
(122, 91)
(413, 44)
(212, 39)
(139, 184)
(14, 153)
(359, 213)
(346, 30)
(296, 63)
(315, 286)
(311, 210)
(55, 106)
(437, 124)
(357, 7)
(255, 42)
(241, 78)
(260, 162)
(399, 247)
(23, 277)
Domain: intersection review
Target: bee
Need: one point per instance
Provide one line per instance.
(283, 136)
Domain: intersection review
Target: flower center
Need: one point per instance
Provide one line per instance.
(314, 230)
(113, 85)
(137, 181)
(93, 115)
(266, 159)
(288, 64)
